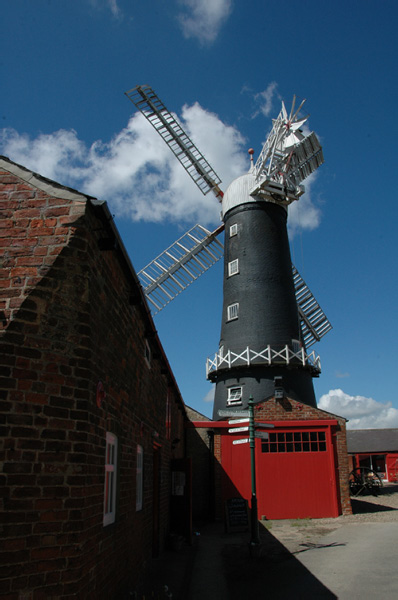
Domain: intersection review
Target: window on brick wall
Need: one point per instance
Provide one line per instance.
(110, 479)
(139, 478)
(233, 267)
(233, 230)
(232, 311)
(234, 395)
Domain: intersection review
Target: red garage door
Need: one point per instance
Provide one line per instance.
(295, 473)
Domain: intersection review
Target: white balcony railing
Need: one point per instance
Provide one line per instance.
(269, 356)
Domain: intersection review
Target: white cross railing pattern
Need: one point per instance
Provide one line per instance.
(269, 356)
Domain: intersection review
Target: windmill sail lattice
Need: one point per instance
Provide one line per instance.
(180, 265)
(195, 252)
(287, 158)
(193, 161)
(314, 322)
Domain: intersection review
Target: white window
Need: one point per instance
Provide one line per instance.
(233, 230)
(110, 479)
(235, 395)
(147, 353)
(139, 478)
(233, 267)
(233, 310)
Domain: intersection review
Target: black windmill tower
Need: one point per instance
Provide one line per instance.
(270, 318)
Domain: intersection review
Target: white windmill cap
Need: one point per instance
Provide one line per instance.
(238, 192)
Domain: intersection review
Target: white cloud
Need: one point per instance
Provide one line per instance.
(362, 412)
(303, 214)
(210, 394)
(111, 4)
(203, 19)
(265, 98)
(138, 174)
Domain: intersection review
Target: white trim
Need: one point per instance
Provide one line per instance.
(233, 230)
(232, 311)
(233, 267)
(234, 395)
(282, 355)
(110, 479)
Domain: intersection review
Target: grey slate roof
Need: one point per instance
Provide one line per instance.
(372, 440)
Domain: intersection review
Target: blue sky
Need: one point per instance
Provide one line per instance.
(223, 67)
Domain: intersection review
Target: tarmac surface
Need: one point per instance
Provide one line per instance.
(347, 557)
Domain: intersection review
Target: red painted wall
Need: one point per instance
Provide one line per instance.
(290, 485)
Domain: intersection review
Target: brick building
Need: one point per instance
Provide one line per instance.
(302, 470)
(90, 409)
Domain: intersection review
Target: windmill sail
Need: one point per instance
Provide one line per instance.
(192, 255)
(314, 322)
(180, 265)
(287, 158)
(193, 161)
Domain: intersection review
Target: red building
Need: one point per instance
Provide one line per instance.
(375, 449)
(302, 470)
(91, 413)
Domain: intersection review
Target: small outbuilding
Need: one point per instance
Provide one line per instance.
(301, 464)
(375, 449)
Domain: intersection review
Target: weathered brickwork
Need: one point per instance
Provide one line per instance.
(73, 316)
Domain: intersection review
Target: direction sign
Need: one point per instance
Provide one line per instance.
(242, 441)
(236, 421)
(263, 435)
(264, 425)
(233, 413)
(238, 429)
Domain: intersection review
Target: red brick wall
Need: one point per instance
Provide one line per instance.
(68, 324)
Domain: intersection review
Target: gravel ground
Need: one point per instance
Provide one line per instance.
(296, 534)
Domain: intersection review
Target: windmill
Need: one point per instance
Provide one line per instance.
(270, 318)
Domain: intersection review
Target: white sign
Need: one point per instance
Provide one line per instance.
(243, 441)
(264, 425)
(236, 421)
(238, 429)
(233, 413)
(263, 435)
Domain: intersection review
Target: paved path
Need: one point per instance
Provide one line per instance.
(357, 560)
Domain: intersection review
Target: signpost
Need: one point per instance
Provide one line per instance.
(263, 435)
(237, 421)
(247, 416)
(238, 429)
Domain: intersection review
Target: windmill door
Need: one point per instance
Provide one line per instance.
(296, 474)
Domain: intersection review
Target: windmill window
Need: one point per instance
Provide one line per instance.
(235, 395)
(233, 267)
(233, 310)
(110, 479)
(233, 230)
